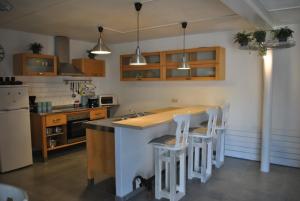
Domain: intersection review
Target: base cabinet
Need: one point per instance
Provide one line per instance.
(100, 154)
(49, 132)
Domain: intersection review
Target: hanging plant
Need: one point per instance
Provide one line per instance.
(36, 48)
(90, 54)
(242, 38)
(260, 36)
(283, 34)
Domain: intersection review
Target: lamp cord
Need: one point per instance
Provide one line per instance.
(138, 29)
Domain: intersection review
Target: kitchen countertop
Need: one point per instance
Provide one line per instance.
(101, 124)
(65, 109)
(160, 117)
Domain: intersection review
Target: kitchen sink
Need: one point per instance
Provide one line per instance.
(134, 115)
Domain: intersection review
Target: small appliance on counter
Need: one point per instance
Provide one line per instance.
(108, 99)
(93, 102)
(9, 81)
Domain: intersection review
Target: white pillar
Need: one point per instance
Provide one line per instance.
(267, 113)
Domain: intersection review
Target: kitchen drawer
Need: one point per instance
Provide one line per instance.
(98, 114)
(56, 120)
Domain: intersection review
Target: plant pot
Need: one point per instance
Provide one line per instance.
(282, 39)
(243, 43)
(36, 51)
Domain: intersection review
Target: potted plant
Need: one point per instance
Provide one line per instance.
(260, 36)
(90, 54)
(242, 38)
(283, 34)
(36, 48)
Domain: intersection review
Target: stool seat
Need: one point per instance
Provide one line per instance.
(167, 142)
(199, 132)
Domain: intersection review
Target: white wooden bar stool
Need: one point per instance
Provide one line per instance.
(169, 149)
(218, 159)
(200, 140)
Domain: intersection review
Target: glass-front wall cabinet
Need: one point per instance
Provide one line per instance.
(206, 63)
(35, 64)
(151, 71)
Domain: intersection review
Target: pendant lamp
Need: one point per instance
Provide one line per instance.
(138, 58)
(100, 47)
(184, 64)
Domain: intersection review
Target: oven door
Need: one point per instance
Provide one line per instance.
(76, 130)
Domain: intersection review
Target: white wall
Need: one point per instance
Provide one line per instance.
(45, 88)
(242, 88)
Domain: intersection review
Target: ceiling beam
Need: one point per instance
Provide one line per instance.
(253, 11)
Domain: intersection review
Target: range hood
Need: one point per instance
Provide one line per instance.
(62, 51)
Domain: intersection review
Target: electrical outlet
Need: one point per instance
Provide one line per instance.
(174, 100)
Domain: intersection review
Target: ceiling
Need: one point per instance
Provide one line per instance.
(79, 19)
(283, 11)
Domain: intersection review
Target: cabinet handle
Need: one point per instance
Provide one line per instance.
(41, 73)
(55, 120)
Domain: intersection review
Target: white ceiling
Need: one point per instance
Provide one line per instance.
(79, 19)
(283, 11)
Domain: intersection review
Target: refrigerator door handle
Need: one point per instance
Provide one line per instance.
(15, 109)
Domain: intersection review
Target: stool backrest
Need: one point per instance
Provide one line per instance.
(212, 121)
(225, 115)
(182, 129)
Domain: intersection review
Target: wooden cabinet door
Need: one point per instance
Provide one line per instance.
(98, 114)
(56, 120)
(35, 64)
(90, 67)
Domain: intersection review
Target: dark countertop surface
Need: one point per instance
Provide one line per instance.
(101, 124)
(68, 108)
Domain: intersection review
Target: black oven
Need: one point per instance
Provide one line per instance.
(76, 130)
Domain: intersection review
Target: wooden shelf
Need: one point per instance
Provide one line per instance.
(55, 134)
(65, 145)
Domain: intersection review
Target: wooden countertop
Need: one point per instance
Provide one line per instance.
(166, 115)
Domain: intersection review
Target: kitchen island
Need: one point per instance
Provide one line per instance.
(133, 155)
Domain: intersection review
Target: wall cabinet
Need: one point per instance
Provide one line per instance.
(206, 64)
(34, 64)
(90, 67)
(152, 71)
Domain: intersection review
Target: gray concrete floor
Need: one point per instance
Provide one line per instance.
(63, 178)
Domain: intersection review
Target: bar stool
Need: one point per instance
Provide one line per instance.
(169, 149)
(200, 139)
(219, 147)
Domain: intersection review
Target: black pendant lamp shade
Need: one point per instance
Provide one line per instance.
(138, 58)
(184, 64)
(100, 47)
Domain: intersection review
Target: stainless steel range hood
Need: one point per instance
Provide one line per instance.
(62, 51)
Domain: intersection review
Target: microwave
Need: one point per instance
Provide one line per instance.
(108, 100)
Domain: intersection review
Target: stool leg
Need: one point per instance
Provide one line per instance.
(173, 182)
(191, 158)
(209, 159)
(196, 159)
(218, 150)
(222, 147)
(203, 161)
(182, 173)
(157, 174)
(167, 179)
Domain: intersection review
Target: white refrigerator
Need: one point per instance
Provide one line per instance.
(15, 137)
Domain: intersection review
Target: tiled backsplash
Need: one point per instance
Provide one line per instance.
(49, 89)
